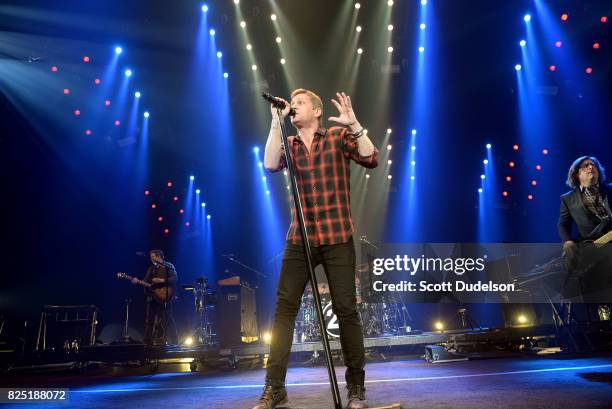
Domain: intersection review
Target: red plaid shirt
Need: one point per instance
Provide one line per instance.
(323, 178)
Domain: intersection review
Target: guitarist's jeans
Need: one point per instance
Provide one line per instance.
(338, 260)
(157, 319)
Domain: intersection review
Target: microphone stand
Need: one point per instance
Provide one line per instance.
(308, 256)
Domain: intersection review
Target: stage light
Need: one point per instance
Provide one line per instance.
(212, 32)
(146, 114)
(197, 191)
(97, 81)
(367, 176)
(128, 73)
(390, 27)
(203, 204)
(357, 6)
(208, 217)
(438, 325)
(530, 197)
(527, 18)
(191, 177)
(283, 61)
(389, 162)
(147, 193)
(421, 49)
(169, 184)
(160, 219)
(66, 91)
(522, 43)
(249, 47)
(219, 54)
(511, 164)
(414, 132)
(225, 75)
(515, 147)
(483, 177)
(181, 211)
(236, 1)
(166, 231)
(358, 29)
(552, 68)
(263, 178)
(389, 177)
(77, 112)
(187, 224)
(545, 151)
(390, 3)
(521, 319)
(389, 147)
(359, 51)
(86, 59)
(596, 46)
(267, 337)
(588, 70)
(489, 146)
(256, 149)
(413, 163)
(54, 69)
(389, 130)
(278, 40)
(137, 94)
(273, 17)
(558, 44)
(479, 190)
(423, 26)
(505, 194)
(118, 50)
(518, 67)
(107, 102)
(254, 67)
(205, 8)
(534, 182)
(508, 178)
(267, 192)
(485, 161)
(538, 167)
(389, 49)
(412, 177)
(423, 2)
(117, 122)
(564, 17)
(603, 19)
(153, 206)
(260, 164)
(413, 147)
(88, 132)
(243, 24)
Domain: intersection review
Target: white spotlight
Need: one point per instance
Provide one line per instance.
(357, 6)
(278, 40)
(273, 17)
(359, 51)
(243, 24)
(423, 26)
(527, 18)
(283, 61)
(254, 67)
(390, 27)
(128, 73)
(219, 54)
(389, 130)
(118, 50)
(389, 49)
(522, 43)
(204, 8)
(358, 29)
(212, 32)
(390, 3)
(146, 114)
(137, 94)
(421, 49)
(518, 67)
(225, 75)
(249, 47)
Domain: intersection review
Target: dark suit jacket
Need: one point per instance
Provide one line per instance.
(573, 211)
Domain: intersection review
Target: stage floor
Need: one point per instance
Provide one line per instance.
(524, 382)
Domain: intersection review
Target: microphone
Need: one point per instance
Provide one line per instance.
(277, 102)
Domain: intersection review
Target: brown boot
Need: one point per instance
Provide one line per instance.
(271, 397)
(356, 397)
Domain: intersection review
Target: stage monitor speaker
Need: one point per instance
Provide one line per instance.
(237, 315)
(439, 354)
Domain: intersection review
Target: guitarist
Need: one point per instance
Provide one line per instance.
(161, 274)
(587, 206)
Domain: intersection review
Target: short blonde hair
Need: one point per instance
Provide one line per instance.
(314, 98)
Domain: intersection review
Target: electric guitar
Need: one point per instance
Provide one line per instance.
(160, 294)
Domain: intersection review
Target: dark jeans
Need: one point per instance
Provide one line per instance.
(338, 260)
(157, 318)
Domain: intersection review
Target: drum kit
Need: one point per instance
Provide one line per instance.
(380, 314)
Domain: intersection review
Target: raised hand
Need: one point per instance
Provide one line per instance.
(345, 109)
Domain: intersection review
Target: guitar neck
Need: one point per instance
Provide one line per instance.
(606, 238)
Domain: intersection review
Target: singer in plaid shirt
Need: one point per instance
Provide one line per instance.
(321, 159)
